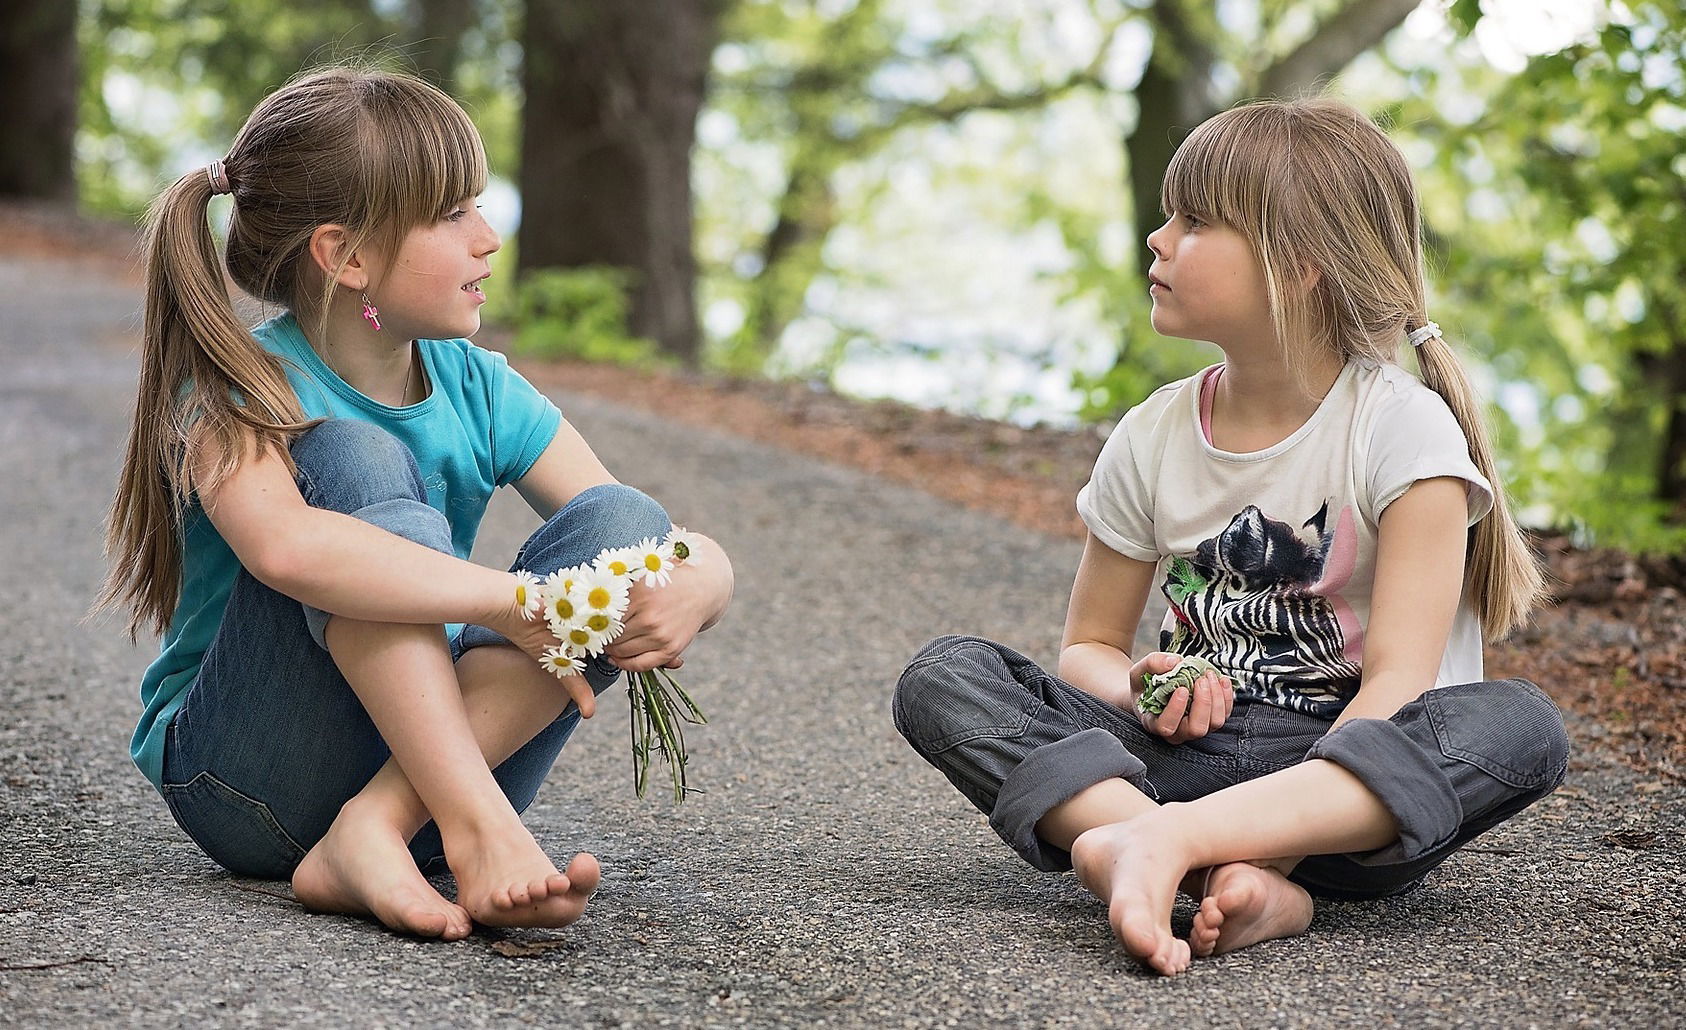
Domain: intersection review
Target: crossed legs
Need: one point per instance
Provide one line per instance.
(447, 727)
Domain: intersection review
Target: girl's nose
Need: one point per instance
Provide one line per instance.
(489, 242)
(1156, 240)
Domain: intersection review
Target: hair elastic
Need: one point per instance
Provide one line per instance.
(219, 178)
(1417, 336)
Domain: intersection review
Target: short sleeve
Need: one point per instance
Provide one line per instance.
(1416, 437)
(1115, 504)
(524, 421)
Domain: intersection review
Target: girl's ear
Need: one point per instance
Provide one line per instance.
(1310, 278)
(331, 254)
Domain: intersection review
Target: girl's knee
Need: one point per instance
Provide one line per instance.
(620, 510)
(945, 696)
(1509, 728)
(348, 464)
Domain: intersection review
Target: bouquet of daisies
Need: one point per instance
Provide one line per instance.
(585, 606)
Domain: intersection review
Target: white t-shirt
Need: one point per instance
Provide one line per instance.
(1267, 558)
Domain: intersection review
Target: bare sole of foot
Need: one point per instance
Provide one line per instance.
(364, 869)
(1137, 876)
(1245, 905)
(552, 899)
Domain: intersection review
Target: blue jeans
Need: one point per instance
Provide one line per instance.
(271, 740)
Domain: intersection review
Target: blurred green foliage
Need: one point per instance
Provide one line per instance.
(857, 157)
(1561, 234)
(578, 314)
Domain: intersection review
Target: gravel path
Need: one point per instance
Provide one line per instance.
(828, 877)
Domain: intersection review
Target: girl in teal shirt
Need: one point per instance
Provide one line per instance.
(342, 698)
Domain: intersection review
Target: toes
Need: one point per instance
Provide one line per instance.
(458, 925)
(584, 874)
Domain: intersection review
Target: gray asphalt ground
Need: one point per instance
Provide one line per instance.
(828, 877)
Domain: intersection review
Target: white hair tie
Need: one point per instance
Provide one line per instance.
(217, 172)
(1424, 332)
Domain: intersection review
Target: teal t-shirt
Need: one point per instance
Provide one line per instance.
(482, 426)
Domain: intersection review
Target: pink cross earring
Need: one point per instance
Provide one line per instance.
(371, 313)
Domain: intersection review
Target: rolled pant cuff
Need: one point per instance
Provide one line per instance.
(1052, 774)
(1409, 783)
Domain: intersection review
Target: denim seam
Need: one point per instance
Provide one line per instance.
(259, 808)
(955, 739)
(1499, 771)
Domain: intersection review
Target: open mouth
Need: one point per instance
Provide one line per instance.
(474, 288)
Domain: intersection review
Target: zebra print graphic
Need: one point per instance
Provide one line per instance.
(1261, 602)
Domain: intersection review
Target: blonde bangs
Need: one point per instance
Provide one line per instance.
(1224, 170)
(423, 156)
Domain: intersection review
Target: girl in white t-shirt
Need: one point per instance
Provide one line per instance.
(1330, 533)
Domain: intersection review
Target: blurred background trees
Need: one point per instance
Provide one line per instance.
(944, 200)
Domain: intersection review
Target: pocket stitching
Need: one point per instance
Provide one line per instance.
(262, 810)
(1442, 737)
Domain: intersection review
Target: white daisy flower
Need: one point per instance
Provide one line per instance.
(654, 562)
(562, 580)
(620, 562)
(603, 592)
(529, 595)
(605, 626)
(562, 607)
(579, 639)
(682, 544)
(560, 663)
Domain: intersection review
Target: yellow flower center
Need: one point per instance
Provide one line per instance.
(618, 568)
(520, 595)
(599, 597)
(579, 637)
(599, 623)
(653, 562)
(564, 608)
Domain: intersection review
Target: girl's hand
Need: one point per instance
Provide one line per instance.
(1188, 714)
(533, 637)
(661, 622)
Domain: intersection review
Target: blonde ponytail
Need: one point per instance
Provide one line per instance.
(1505, 578)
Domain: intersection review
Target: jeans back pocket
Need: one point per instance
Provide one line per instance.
(239, 833)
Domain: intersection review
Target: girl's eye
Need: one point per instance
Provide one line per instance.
(457, 213)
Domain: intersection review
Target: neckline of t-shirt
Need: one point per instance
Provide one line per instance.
(323, 373)
(1206, 390)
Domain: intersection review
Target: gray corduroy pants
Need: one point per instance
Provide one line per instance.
(1017, 741)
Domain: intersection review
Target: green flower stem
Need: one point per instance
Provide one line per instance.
(659, 706)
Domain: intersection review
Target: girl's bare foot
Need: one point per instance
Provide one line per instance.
(362, 867)
(1246, 904)
(1135, 870)
(505, 879)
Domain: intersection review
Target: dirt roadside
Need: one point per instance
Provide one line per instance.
(1612, 646)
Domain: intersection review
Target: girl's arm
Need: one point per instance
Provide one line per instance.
(343, 565)
(661, 622)
(1107, 599)
(1419, 579)
(1106, 604)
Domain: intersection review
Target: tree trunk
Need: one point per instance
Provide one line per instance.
(613, 88)
(1172, 98)
(38, 75)
(1671, 470)
(440, 25)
